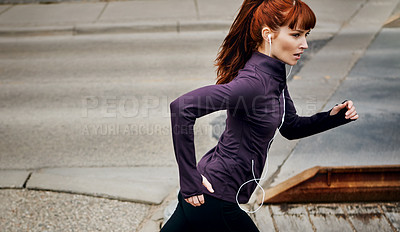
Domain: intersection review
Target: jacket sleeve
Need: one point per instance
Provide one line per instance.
(296, 127)
(197, 103)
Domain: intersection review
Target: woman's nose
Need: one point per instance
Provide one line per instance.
(304, 44)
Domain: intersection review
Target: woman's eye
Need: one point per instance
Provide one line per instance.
(296, 35)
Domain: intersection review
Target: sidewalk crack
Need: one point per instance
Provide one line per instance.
(347, 218)
(274, 175)
(273, 219)
(387, 219)
(27, 179)
(309, 219)
(362, 5)
(6, 9)
(196, 4)
(101, 12)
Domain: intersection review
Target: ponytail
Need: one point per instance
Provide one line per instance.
(244, 36)
(238, 45)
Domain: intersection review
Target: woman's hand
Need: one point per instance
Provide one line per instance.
(351, 112)
(199, 199)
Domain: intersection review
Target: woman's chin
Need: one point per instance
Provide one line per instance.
(291, 63)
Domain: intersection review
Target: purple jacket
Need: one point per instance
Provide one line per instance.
(254, 105)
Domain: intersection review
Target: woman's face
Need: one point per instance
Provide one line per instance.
(288, 44)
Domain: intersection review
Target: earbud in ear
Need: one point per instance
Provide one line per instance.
(270, 44)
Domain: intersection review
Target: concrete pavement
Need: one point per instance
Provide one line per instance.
(148, 185)
(114, 17)
(348, 24)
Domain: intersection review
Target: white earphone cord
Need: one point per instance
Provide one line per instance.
(270, 44)
(257, 180)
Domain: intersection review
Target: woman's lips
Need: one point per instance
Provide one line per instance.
(298, 56)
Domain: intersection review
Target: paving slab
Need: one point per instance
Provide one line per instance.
(367, 218)
(329, 218)
(392, 212)
(291, 218)
(50, 15)
(140, 184)
(158, 10)
(13, 178)
(264, 220)
(211, 9)
(204, 25)
(3, 8)
(331, 15)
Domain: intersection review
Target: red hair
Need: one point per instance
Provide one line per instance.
(244, 36)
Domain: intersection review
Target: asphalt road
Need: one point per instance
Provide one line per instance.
(373, 85)
(99, 100)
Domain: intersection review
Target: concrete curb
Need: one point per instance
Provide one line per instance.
(111, 28)
(32, 31)
(149, 185)
(156, 218)
(13, 178)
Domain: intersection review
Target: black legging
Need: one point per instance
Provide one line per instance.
(214, 215)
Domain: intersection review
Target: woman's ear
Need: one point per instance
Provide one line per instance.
(266, 33)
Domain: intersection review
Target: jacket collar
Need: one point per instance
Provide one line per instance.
(269, 65)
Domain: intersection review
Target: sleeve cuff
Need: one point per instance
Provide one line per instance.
(339, 118)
